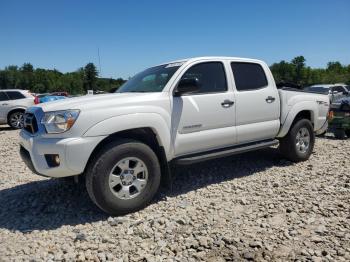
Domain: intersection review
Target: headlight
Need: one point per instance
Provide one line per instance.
(59, 121)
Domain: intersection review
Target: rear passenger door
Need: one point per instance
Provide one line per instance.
(257, 103)
(204, 120)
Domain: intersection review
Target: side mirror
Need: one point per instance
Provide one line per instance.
(334, 92)
(187, 86)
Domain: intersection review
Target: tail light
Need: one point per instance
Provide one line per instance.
(330, 115)
(36, 100)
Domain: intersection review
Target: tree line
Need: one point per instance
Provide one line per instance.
(40, 80)
(298, 73)
(46, 80)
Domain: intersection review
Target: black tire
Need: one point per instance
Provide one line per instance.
(288, 146)
(98, 172)
(347, 132)
(339, 133)
(11, 119)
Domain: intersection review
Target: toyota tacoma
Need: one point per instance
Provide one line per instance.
(180, 112)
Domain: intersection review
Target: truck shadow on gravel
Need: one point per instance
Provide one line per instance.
(6, 128)
(50, 204)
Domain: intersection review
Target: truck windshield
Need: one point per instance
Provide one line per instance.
(152, 79)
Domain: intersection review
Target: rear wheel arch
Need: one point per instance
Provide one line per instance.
(293, 117)
(304, 114)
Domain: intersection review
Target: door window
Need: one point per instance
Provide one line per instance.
(14, 95)
(3, 96)
(339, 89)
(211, 77)
(248, 76)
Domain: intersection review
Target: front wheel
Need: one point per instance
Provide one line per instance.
(298, 144)
(123, 177)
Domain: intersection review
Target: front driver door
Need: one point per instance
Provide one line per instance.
(204, 120)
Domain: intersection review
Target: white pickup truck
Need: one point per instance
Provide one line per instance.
(175, 113)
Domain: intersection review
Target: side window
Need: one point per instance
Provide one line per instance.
(13, 95)
(248, 76)
(339, 89)
(3, 96)
(211, 76)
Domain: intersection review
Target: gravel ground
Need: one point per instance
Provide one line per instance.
(255, 206)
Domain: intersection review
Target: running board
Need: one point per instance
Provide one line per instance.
(199, 157)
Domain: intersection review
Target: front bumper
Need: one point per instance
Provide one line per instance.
(73, 153)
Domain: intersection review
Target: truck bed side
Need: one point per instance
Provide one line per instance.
(293, 102)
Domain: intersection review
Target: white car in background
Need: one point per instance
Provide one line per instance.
(13, 104)
(334, 91)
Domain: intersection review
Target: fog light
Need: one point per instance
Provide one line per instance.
(53, 160)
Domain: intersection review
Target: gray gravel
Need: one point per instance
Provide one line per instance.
(255, 206)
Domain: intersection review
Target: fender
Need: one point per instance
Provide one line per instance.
(297, 108)
(17, 108)
(132, 121)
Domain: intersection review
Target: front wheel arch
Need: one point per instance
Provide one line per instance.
(144, 135)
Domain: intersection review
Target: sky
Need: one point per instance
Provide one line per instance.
(132, 35)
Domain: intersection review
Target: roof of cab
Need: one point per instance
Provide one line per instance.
(193, 59)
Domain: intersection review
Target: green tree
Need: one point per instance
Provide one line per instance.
(299, 69)
(90, 76)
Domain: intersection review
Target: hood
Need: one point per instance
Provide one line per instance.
(97, 101)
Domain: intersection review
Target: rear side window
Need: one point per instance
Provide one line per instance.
(211, 76)
(248, 76)
(13, 95)
(3, 96)
(338, 89)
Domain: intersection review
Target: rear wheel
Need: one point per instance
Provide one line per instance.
(339, 133)
(16, 119)
(124, 177)
(298, 144)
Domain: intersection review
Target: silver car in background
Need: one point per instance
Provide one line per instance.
(13, 103)
(334, 91)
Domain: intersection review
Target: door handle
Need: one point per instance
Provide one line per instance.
(5, 104)
(227, 103)
(270, 99)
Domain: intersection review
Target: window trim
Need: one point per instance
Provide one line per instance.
(206, 93)
(247, 90)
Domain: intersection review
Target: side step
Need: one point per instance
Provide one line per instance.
(199, 157)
